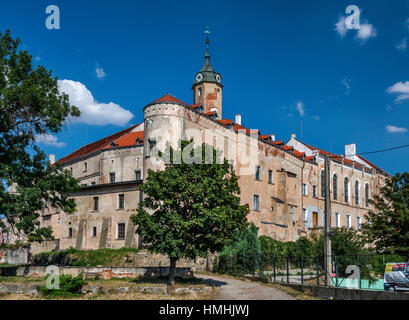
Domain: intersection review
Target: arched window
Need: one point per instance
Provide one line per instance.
(346, 189)
(356, 192)
(335, 186)
(367, 195)
(323, 183)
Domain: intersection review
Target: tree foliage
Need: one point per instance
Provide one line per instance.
(30, 105)
(387, 226)
(241, 254)
(190, 209)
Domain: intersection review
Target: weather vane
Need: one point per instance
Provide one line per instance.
(207, 31)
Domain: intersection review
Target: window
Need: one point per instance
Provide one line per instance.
(112, 177)
(348, 221)
(138, 175)
(94, 231)
(121, 201)
(367, 195)
(257, 174)
(96, 203)
(85, 167)
(256, 202)
(346, 189)
(304, 189)
(357, 192)
(323, 183)
(335, 186)
(304, 214)
(121, 231)
(337, 220)
(152, 144)
(140, 196)
(358, 223)
(93, 183)
(232, 166)
(315, 219)
(199, 92)
(314, 191)
(69, 232)
(270, 176)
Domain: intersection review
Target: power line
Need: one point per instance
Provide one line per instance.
(378, 151)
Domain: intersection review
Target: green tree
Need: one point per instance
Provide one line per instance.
(190, 209)
(387, 226)
(241, 254)
(30, 105)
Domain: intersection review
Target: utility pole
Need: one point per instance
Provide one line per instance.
(327, 230)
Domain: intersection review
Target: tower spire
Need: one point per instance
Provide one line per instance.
(207, 65)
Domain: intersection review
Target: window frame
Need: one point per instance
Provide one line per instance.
(121, 196)
(112, 174)
(256, 196)
(96, 203)
(118, 231)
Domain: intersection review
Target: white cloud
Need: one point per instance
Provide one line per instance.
(92, 111)
(402, 89)
(340, 26)
(100, 71)
(50, 140)
(393, 129)
(316, 118)
(402, 45)
(300, 108)
(407, 23)
(347, 84)
(366, 32)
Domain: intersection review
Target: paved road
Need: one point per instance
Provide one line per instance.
(232, 289)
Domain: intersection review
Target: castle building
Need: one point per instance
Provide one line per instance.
(283, 183)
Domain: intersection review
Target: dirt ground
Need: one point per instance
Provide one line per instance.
(233, 289)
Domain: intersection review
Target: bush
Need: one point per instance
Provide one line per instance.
(242, 255)
(69, 286)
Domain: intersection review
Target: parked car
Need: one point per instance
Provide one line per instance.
(396, 276)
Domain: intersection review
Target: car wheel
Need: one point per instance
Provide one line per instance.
(392, 289)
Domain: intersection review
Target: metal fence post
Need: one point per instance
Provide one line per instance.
(288, 276)
(274, 262)
(302, 271)
(336, 272)
(318, 271)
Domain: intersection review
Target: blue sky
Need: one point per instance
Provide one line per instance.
(282, 62)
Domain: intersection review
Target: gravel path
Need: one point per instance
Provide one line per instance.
(232, 289)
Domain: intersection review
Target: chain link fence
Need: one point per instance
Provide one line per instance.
(364, 272)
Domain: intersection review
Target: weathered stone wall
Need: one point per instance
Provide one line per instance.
(19, 255)
(44, 246)
(104, 272)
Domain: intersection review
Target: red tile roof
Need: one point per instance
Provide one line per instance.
(194, 106)
(226, 122)
(127, 140)
(168, 98)
(95, 146)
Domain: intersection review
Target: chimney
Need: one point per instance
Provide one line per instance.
(51, 158)
(273, 137)
(350, 151)
(293, 136)
(238, 119)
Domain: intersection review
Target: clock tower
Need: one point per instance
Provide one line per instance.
(207, 86)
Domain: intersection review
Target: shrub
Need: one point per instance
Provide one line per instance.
(69, 286)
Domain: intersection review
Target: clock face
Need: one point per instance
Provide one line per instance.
(218, 78)
(199, 77)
